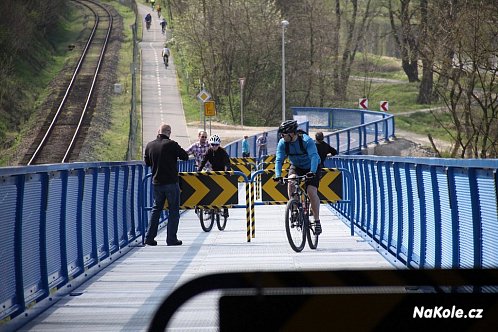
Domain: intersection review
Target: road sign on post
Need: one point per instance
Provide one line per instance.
(209, 108)
(363, 103)
(204, 96)
(384, 106)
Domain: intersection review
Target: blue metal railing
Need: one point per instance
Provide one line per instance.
(428, 213)
(350, 130)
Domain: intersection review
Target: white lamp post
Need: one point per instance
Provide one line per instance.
(285, 23)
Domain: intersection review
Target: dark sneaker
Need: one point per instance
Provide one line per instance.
(151, 243)
(176, 243)
(318, 227)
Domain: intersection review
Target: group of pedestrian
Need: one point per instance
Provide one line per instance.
(162, 156)
(306, 156)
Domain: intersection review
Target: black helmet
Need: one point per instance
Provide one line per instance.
(288, 126)
(319, 136)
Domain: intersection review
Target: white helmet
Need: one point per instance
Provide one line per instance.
(215, 139)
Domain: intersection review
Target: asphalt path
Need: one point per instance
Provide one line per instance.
(161, 100)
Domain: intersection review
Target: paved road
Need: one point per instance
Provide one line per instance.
(161, 100)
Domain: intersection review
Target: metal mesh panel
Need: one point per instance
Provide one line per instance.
(53, 227)
(8, 199)
(466, 229)
(446, 223)
(430, 221)
(31, 233)
(71, 224)
(100, 211)
(86, 219)
(489, 217)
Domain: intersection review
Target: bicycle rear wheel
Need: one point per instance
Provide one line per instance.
(295, 226)
(221, 220)
(311, 234)
(206, 218)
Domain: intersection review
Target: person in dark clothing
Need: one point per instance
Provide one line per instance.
(323, 148)
(161, 155)
(218, 157)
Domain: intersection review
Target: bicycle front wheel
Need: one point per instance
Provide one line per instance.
(295, 226)
(206, 219)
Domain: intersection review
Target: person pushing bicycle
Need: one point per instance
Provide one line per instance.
(303, 156)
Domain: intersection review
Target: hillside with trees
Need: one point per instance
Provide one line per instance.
(25, 49)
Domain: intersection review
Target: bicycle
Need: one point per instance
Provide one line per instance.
(207, 217)
(298, 226)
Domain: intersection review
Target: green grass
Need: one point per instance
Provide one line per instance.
(419, 123)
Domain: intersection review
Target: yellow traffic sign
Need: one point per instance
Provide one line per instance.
(209, 108)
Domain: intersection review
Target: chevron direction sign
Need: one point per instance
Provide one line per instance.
(329, 191)
(244, 165)
(330, 188)
(272, 191)
(207, 189)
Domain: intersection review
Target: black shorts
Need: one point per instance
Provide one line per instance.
(315, 182)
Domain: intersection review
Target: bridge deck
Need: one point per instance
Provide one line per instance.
(124, 296)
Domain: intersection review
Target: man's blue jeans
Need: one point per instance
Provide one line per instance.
(170, 192)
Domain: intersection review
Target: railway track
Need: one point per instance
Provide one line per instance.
(61, 136)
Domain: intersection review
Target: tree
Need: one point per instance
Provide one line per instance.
(468, 86)
(405, 36)
(226, 40)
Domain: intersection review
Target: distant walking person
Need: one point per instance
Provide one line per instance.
(161, 155)
(323, 148)
(245, 147)
(152, 2)
(262, 143)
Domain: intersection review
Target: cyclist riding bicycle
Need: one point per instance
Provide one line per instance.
(165, 54)
(163, 24)
(303, 156)
(148, 20)
(218, 157)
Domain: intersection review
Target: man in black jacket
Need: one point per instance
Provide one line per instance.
(323, 148)
(161, 155)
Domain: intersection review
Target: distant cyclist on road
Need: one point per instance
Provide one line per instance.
(163, 24)
(165, 54)
(218, 157)
(303, 155)
(148, 20)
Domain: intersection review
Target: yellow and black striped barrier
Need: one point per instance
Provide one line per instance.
(329, 190)
(207, 189)
(245, 165)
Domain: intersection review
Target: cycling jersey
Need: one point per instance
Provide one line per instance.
(305, 160)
